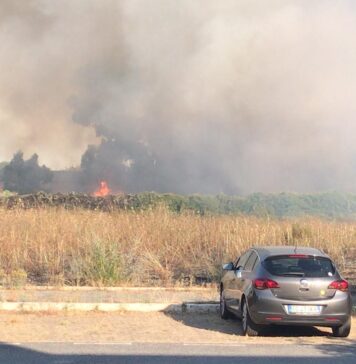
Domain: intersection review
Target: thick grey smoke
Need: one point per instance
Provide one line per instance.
(185, 96)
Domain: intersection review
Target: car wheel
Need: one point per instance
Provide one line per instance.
(249, 328)
(224, 313)
(343, 330)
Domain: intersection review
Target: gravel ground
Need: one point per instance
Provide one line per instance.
(119, 327)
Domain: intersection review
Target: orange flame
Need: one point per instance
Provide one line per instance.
(103, 190)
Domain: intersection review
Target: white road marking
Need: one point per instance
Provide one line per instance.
(215, 344)
(64, 342)
(34, 343)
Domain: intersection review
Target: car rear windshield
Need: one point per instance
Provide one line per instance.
(300, 266)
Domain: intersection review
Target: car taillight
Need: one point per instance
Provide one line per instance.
(261, 283)
(340, 285)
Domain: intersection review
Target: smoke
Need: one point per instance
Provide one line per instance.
(183, 96)
(39, 63)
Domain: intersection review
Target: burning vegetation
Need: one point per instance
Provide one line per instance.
(103, 190)
(27, 176)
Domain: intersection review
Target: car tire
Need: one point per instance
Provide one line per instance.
(224, 313)
(249, 328)
(343, 330)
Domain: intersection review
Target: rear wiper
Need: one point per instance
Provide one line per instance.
(298, 274)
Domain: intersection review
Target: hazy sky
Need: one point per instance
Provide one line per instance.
(219, 96)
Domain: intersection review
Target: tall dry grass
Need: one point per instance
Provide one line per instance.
(58, 246)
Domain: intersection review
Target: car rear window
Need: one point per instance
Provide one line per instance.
(300, 266)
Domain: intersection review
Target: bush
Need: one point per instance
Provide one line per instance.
(100, 264)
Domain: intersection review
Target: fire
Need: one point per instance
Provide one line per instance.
(103, 190)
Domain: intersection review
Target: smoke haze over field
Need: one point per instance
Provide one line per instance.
(183, 96)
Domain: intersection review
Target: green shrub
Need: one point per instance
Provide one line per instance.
(101, 264)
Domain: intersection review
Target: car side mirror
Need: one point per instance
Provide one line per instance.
(228, 266)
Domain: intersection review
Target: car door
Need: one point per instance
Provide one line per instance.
(227, 280)
(247, 274)
(235, 282)
(245, 277)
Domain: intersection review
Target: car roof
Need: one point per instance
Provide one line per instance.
(266, 251)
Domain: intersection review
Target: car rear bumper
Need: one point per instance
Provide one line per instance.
(267, 309)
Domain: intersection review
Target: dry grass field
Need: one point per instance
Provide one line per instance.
(57, 246)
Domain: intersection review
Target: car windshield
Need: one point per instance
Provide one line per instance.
(299, 266)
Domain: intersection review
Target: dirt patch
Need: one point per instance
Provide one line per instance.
(148, 327)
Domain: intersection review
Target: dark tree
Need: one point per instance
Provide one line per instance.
(26, 176)
(2, 166)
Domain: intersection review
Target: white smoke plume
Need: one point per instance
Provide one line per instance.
(208, 96)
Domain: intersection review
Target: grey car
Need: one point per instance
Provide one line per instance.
(285, 286)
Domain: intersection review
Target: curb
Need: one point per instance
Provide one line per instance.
(185, 307)
(109, 307)
(110, 289)
(102, 307)
(199, 307)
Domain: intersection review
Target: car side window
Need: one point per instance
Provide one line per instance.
(250, 264)
(241, 262)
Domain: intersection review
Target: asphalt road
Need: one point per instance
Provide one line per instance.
(137, 353)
